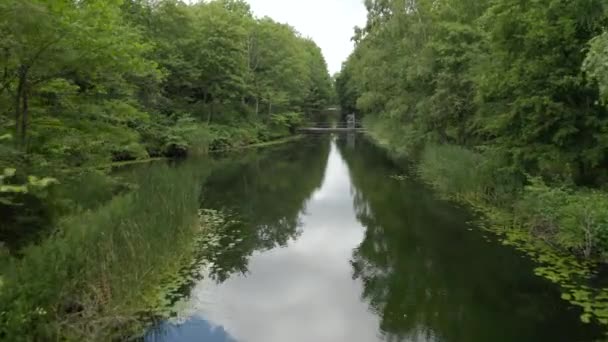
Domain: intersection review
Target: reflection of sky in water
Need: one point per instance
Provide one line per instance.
(194, 330)
(420, 288)
(304, 292)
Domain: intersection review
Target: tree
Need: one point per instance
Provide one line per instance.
(63, 42)
(319, 89)
(533, 100)
(596, 63)
(478, 74)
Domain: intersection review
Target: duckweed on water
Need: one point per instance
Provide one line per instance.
(174, 290)
(573, 275)
(97, 276)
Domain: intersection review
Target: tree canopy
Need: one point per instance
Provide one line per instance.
(85, 82)
(527, 79)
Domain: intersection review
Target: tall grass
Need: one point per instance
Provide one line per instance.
(564, 228)
(573, 220)
(452, 169)
(469, 175)
(100, 271)
(399, 138)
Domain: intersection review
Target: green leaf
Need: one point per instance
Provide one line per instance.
(14, 189)
(9, 172)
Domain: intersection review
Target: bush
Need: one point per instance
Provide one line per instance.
(99, 273)
(460, 172)
(227, 137)
(454, 170)
(399, 138)
(285, 123)
(198, 139)
(132, 151)
(576, 220)
(175, 137)
(24, 207)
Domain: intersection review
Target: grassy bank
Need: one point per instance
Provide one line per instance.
(100, 271)
(240, 146)
(562, 227)
(273, 142)
(102, 265)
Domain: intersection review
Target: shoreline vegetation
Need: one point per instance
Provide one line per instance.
(502, 105)
(87, 294)
(87, 86)
(452, 172)
(273, 142)
(101, 271)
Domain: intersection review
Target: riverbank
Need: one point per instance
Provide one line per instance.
(560, 228)
(358, 256)
(99, 272)
(272, 142)
(109, 265)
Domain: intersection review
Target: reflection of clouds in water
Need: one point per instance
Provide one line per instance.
(336, 184)
(194, 330)
(303, 292)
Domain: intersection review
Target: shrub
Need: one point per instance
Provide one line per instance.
(399, 138)
(132, 151)
(99, 272)
(175, 137)
(460, 172)
(454, 170)
(227, 137)
(24, 207)
(576, 220)
(198, 139)
(285, 123)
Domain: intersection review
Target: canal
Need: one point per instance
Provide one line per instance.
(326, 244)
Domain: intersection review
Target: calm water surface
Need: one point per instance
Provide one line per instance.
(329, 247)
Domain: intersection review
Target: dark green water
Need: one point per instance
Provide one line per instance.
(329, 247)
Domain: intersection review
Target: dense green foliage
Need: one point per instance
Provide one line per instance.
(503, 104)
(419, 258)
(86, 84)
(258, 192)
(98, 277)
(596, 63)
(519, 87)
(99, 81)
(101, 272)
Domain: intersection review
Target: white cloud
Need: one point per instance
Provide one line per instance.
(329, 23)
(304, 292)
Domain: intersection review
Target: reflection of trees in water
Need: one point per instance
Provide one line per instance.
(429, 279)
(265, 192)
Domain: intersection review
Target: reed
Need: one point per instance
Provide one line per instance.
(101, 271)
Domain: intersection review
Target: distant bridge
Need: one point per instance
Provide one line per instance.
(351, 125)
(331, 128)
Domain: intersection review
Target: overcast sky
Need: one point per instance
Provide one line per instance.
(302, 292)
(329, 23)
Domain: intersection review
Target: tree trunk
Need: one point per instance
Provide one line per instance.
(210, 114)
(207, 106)
(209, 117)
(24, 119)
(18, 109)
(257, 106)
(20, 112)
